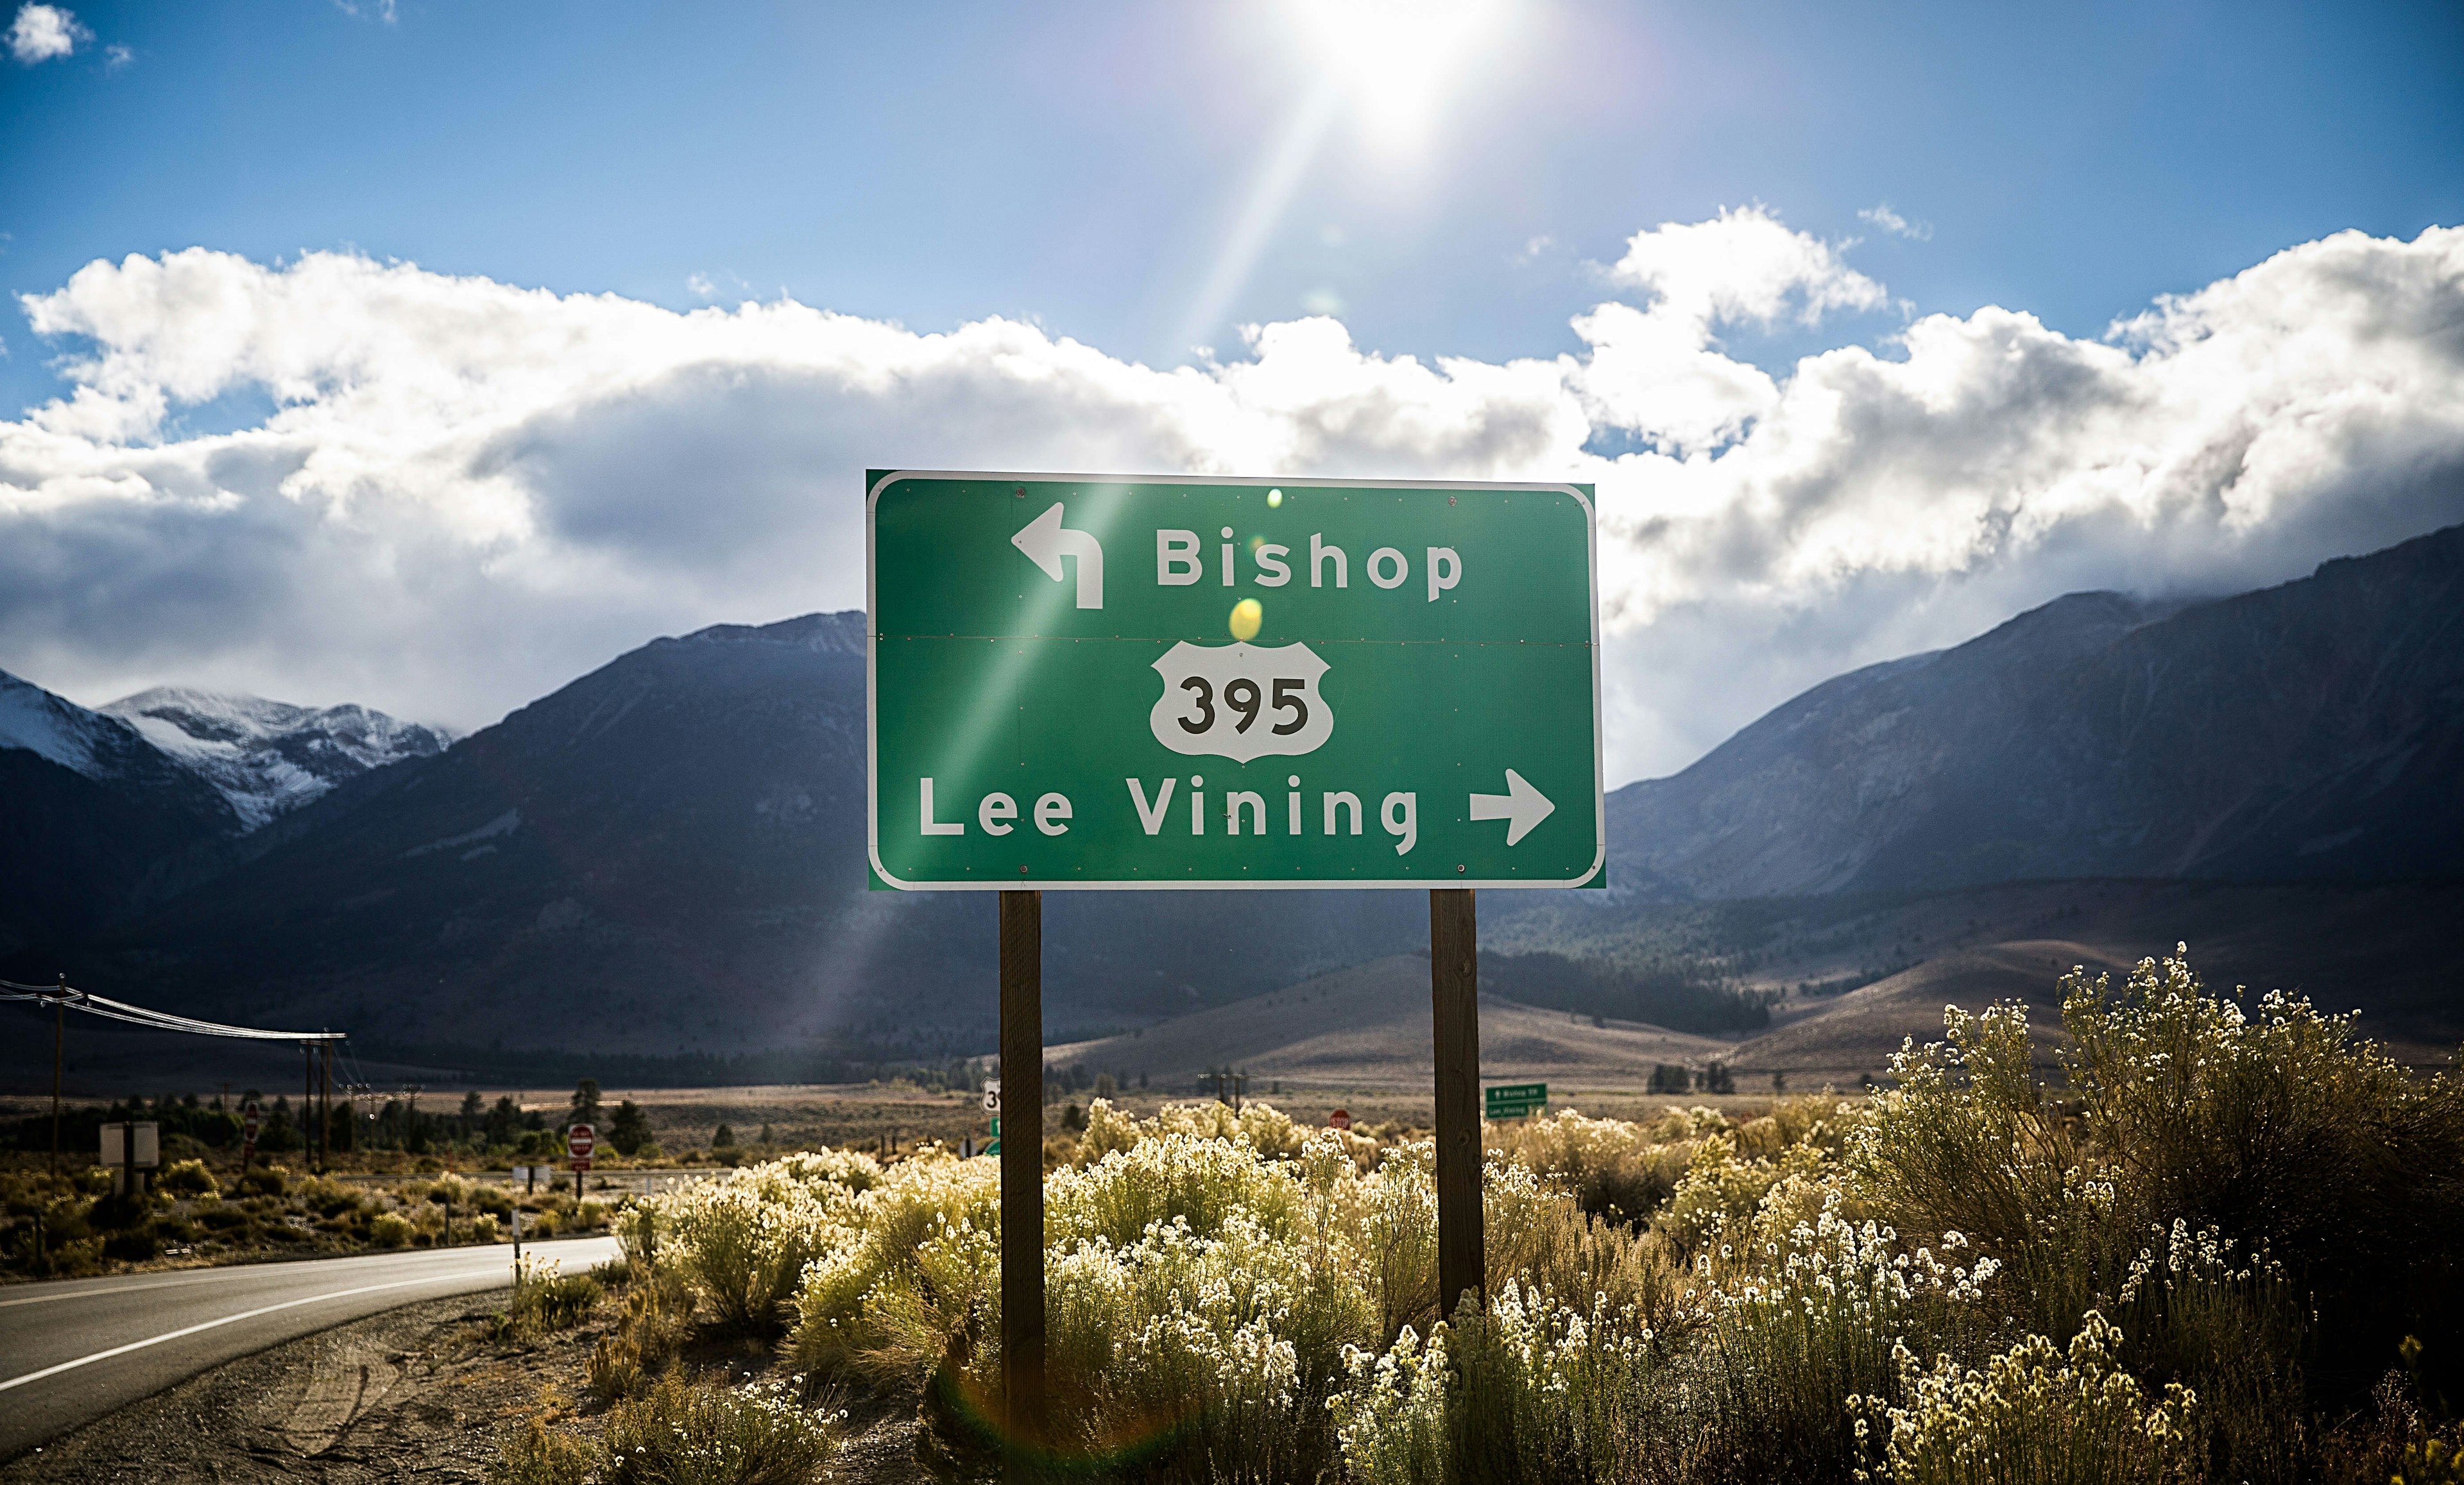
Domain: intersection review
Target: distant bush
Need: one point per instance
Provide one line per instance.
(263, 1181)
(544, 1299)
(388, 1229)
(540, 1456)
(188, 1178)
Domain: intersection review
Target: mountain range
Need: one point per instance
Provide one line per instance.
(665, 854)
(2309, 731)
(104, 806)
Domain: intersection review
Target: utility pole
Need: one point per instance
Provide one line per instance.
(325, 1112)
(307, 1093)
(59, 1043)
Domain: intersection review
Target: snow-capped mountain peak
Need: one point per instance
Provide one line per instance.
(267, 757)
(53, 727)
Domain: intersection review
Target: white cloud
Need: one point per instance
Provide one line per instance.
(701, 286)
(1886, 220)
(115, 56)
(466, 493)
(1657, 373)
(43, 32)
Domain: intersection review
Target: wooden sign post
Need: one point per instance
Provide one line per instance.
(1021, 1172)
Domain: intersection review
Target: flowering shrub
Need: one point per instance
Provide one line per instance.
(1615, 1168)
(743, 1240)
(917, 1271)
(707, 1433)
(1392, 1420)
(2031, 1414)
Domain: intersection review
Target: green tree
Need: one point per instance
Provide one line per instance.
(504, 1121)
(585, 1106)
(630, 1131)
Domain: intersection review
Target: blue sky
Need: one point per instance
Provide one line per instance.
(1081, 163)
(281, 465)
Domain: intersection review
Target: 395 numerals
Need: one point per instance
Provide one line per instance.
(1244, 697)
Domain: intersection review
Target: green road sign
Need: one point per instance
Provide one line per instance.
(1514, 1099)
(1088, 682)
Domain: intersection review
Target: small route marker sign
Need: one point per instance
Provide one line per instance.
(1083, 682)
(579, 1142)
(992, 1098)
(1514, 1099)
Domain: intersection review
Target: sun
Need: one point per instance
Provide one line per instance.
(1395, 59)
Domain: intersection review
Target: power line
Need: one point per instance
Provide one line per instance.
(76, 999)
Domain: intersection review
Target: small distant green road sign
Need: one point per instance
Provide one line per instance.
(1099, 681)
(1514, 1099)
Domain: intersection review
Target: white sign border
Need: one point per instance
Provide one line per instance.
(872, 709)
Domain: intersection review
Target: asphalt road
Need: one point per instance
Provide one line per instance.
(72, 1350)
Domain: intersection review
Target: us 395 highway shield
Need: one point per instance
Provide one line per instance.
(1098, 682)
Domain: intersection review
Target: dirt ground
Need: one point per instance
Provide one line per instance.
(415, 1394)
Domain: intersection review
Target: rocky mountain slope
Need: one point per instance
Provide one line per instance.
(92, 811)
(265, 756)
(2309, 731)
(109, 809)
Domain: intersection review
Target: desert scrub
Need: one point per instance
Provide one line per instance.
(656, 1325)
(1202, 1295)
(1263, 1127)
(540, 1456)
(917, 1273)
(188, 1178)
(2282, 1127)
(388, 1229)
(682, 1432)
(1551, 1390)
(1720, 1195)
(1791, 1325)
(2032, 1414)
(743, 1240)
(545, 1299)
(1615, 1168)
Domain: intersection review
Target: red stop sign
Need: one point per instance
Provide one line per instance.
(1340, 1119)
(250, 1121)
(581, 1140)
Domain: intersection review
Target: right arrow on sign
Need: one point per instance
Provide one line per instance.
(1521, 807)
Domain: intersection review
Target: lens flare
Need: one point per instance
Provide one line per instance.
(1246, 615)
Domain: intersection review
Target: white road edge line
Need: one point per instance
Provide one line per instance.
(236, 1271)
(190, 1330)
(176, 1278)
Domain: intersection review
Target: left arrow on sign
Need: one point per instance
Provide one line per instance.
(1046, 543)
(1521, 807)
